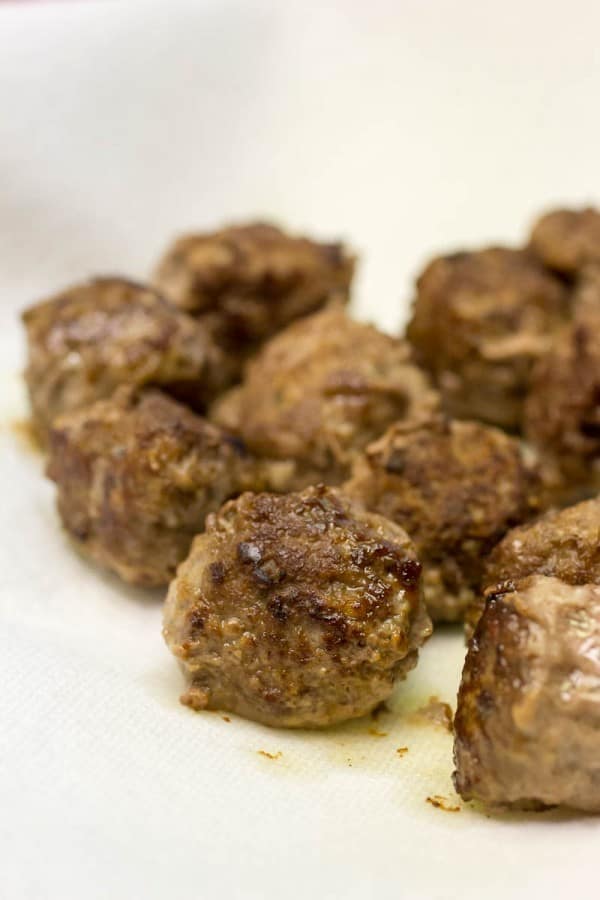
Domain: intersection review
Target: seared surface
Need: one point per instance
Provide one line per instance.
(321, 391)
(480, 320)
(137, 475)
(528, 714)
(567, 239)
(456, 487)
(248, 281)
(562, 412)
(296, 610)
(564, 543)
(86, 341)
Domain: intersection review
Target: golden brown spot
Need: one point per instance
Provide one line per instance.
(376, 733)
(25, 432)
(442, 803)
(402, 751)
(264, 753)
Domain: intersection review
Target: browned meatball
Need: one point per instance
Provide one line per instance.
(567, 239)
(296, 610)
(456, 487)
(564, 543)
(137, 475)
(528, 714)
(248, 281)
(562, 411)
(86, 341)
(321, 390)
(480, 319)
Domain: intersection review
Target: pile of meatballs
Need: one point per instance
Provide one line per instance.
(316, 493)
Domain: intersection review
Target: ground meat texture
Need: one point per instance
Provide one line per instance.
(479, 322)
(567, 239)
(456, 487)
(136, 476)
(86, 341)
(562, 411)
(564, 543)
(297, 610)
(528, 713)
(321, 390)
(248, 281)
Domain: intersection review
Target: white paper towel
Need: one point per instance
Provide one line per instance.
(405, 127)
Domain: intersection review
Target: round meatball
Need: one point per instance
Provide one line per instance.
(479, 321)
(86, 341)
(562, 411)
(528, 713)
(248, 281)
(456, 487)
(297, 610)
(137, 475)
(564, 543)
(321, 391)
(567, 239)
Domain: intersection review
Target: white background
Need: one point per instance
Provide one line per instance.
(405, 127)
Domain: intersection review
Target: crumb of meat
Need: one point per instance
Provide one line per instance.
(440, 802)
(374, 732)
(435, 712)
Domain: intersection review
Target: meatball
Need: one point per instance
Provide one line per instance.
(528, 714)
(296, 610)
(248, 281)
(137, 475)
(86, 341)
(564, 543)
(567, 239)
(562, 411)
(321, 391)
(480, 320)
(456, 487)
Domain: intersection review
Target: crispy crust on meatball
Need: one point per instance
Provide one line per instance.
(567, 239)
(562, 411)
(528, 712)
(564, 543)
(480, 320)
(296, 610)
(321, 390)
(86, 341)
(456, 487)
(249, 281)
(136, 476)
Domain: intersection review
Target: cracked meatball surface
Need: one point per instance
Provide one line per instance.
(528, 713)
(320, 391)
(296, 610)
(86, 341)
(562, 412)
(248, 281)
(136, 476)
(567, 239)
(456, 487)
(480, 320)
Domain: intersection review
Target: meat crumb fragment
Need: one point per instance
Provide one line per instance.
(435, 712)
(440, 802)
